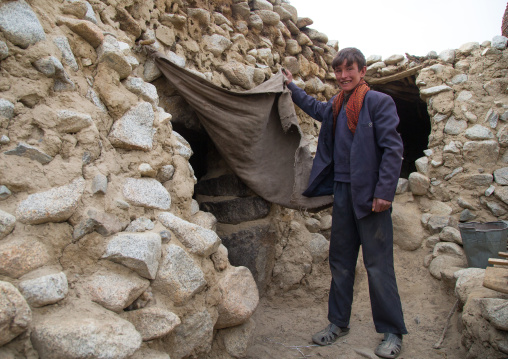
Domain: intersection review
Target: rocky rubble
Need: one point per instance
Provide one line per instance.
(103, 250)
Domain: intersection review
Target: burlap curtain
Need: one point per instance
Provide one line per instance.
(255, 131)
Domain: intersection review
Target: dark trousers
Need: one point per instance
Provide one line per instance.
(375, 234)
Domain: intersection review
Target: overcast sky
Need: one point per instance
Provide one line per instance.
(387, 27)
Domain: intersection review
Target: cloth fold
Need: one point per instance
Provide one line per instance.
(255, 131)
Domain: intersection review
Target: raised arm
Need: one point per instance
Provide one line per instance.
(312, 107)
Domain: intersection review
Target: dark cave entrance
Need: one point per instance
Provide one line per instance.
(201, 145)
(414, 126)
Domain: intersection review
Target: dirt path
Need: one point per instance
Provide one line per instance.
(285, 323)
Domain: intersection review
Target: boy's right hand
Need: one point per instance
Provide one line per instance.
(289, 76)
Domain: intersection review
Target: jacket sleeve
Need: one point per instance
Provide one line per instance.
(312, 107)
(389, 142)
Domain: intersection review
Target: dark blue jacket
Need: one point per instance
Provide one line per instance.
(376, 152)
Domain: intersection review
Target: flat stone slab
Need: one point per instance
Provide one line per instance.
(226, 185)
(84, 28)
(237, 210)
(252, 247)
(431, 91)
(55, 205)
(146, 192)
(31, 152)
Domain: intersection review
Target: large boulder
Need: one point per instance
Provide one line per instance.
(408, 232)
(240, 297)
(84, 332)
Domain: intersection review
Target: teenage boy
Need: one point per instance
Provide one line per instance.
(358, 160)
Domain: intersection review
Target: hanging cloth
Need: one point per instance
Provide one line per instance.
(255, 131)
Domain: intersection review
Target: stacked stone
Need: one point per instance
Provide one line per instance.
(377, 67)
(99, 255)
(466, 167)
(103, 251)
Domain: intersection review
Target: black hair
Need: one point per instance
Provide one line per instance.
(350, 55)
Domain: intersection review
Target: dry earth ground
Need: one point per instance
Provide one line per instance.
(285, 323)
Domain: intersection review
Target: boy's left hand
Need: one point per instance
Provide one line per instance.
(380, 205)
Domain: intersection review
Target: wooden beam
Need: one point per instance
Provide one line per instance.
(394, 77)
(503, 254)
(401, 88)
(496, 279)
(499, 262)
(399, 93)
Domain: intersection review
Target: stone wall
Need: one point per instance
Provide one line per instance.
(104, 249)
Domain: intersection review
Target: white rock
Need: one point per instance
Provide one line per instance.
(140, 252)
(72, 122)
(15, 315)
(447, 56)
(418, 183)
(318, 247)
(196, 239)
(7, 223)
(135, 129)
(146, 90)
(115, 288)
(152, 322)
(431, 91)
(146, 192)
(179, 277)
(240, 297)
(72, 333)
(44, 290)
(499, 42)
(479, 132)
(110, 53)
(55, 205)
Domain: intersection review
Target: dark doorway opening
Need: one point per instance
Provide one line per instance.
(414, 126)
(200, 144)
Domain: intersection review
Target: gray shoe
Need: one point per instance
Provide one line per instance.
(390, 347)
(329, 335)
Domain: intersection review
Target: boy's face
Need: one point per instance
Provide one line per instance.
(349, 76)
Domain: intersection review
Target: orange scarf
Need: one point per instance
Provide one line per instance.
(353, 107)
